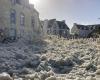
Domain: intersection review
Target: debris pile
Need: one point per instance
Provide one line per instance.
(58, 59)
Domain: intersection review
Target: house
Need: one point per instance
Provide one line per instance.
(84, 30)
(50, 27)
(44, 27)
(64, 30)
(19, 19)
(54, 27)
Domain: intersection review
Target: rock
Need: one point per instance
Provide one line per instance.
(97, 77)
(26, 71)
(32, 63)
(91, 67)
(65, 69)
(90, 78)
(5, 76)
(62, 65)
(32, 76)
(79, 78)
(86, 57)
(51, 73)
(43, 66)
(18, 79)
(51, 78)
(98, 67)
(43, 58)
(68, 61)
(45, 75)
(91, 74)
(98, 72)
(61, 62)
(80, 72)
(20, 56)
(84, 65)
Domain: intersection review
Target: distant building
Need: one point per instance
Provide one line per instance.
(64, 30)
(19, 19)
(54, 27)
(84, 30)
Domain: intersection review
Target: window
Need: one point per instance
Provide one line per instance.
(91, 27)
(32, 21)
(13, 17)
(13, 1)
(82, 28)
(18, 1)
(94, 27)
(22, 20)
(98, 28)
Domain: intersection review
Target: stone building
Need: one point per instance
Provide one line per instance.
(84, 30)
(19, 19)
(64, 30)
(54, 27)
(44, 28)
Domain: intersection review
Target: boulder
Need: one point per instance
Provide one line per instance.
(43, 66)
(32, 63)
(26, 71)
(18, 79)
(91, 67)
(51, 78)
(98, 72)
(98, 67)
(32, 77)
(90, 78)
(61, 62)
(43, 58)
(5, 76)
(61, 65)
(45, 75)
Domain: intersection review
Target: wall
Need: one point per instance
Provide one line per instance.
(26, 31)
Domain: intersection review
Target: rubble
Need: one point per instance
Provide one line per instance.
(5, 76)
(65, 59)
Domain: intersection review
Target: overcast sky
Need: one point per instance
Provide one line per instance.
(73, 11)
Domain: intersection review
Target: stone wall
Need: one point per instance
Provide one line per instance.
(27, 31)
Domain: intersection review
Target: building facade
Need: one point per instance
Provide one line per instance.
(19, 19)
(84, 30)
(64, 30)
(54, 27)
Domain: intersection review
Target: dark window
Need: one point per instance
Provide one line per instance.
(22, 20)
(99, 28)
(18, 1)
(82, 28)
(96, 27)
(13, 17)
(32, 21)
(91, 28)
